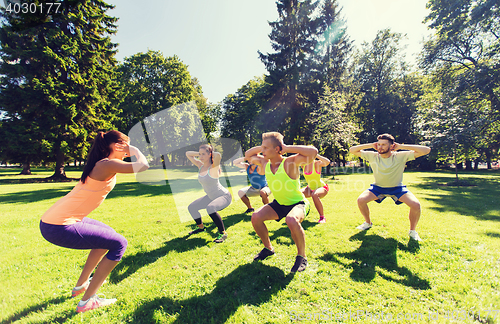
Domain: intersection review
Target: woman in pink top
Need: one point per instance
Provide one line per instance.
(65, 223)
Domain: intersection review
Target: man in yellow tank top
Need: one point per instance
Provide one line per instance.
(283, 178)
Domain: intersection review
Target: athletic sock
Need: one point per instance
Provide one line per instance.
(82, 302)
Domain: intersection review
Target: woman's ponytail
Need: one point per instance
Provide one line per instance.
(101, 149)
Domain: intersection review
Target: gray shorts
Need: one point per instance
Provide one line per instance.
(253, 192)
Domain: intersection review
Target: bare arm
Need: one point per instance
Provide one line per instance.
(240, 163)
(420, 150)
(356, 150)
(192, 156)
(305, 154)
(216, 158)
(110, 167)
(324, 161)
(253, 156)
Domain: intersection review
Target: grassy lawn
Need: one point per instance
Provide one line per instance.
(372, 276)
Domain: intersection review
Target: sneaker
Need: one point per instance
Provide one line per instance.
(300, 264)
(93, 303)
(322, 220)
(198, 230)
(81, 289)
(414, 235)
(249, 210)
(221, 238)
(263, 254)
(364, 226)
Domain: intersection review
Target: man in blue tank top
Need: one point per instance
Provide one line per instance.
(258, 184)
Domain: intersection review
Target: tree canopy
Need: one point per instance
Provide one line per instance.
(57, 75)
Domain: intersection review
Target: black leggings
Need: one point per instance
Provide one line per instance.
(212, 207)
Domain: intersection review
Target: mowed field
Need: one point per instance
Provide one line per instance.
(379, 275)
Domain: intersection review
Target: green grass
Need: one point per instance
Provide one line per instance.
(166, 278)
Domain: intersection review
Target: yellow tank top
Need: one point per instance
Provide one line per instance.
(314, 179)
(285, 190)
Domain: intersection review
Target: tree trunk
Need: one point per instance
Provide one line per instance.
(468, 165)
(455, 160)
(488, 154)
(26, 168)
(59, 173)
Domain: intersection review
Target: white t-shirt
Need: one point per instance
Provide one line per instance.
(388, 172)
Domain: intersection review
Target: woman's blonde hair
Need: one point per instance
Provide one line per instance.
(275, 137)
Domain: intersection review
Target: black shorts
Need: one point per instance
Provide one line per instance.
(284, 210)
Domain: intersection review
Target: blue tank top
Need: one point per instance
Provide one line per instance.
(257, 180)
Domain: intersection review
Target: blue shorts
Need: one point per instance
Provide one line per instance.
(394, 192)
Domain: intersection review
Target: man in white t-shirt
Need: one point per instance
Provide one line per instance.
(388, 166)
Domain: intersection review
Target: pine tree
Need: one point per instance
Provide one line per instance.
(292, 83)
(57, 74)
(333, 47)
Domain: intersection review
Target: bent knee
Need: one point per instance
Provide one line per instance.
(117, 251)
(415, 205)
(292, 220)
(362, 200)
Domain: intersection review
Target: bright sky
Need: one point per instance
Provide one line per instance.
(219, 39)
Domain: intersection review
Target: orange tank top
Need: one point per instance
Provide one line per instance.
(79, 202)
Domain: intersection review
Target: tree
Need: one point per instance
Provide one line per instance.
(242, 113)
(453, 125)
(333, 45)
(57, 74)
(21, 143)
(465, 51)
(291, 69)
(151, 83)
(334, 133)
(389, 92)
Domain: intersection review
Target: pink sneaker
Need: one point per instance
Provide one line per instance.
(93, 303)
(322, 220)
(78, 290)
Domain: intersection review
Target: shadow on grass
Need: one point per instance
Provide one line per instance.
(61, 318)
(249, 284)
(376, 251)
(492, 234)
(234, 219)
(33, 195)
(284, 231)
(479, 201)
(131, 263)
(35, 180)
(126, 189)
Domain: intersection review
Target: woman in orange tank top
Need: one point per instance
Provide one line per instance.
(65, 223)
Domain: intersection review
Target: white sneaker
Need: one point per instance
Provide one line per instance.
(414, 235)
(93, 303)
(364, 226)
